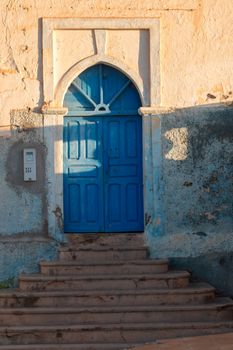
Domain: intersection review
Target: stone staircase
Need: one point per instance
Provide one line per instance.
(103, 294)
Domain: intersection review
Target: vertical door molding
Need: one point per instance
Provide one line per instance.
(153, 184)
(53, 136)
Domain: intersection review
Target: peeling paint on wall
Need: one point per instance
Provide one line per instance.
(179, 144)
(58, 214)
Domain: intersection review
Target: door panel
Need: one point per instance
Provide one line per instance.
(74, 202)
(83, 175)
(123, 174)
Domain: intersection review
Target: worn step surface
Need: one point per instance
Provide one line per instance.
(106, 267)
(113, 333)
(101, 254)
(197, 293)
(173, 279)
(106, 240)
(217, 311)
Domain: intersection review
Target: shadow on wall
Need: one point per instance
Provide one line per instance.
(197, 169)
(197, 181)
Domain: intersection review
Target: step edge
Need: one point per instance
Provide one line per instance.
(87, 293)
(112, 263)
(68, 346)
(166, 275)
(193, 287)
(102, 249)
(129, 326)
(116, 309)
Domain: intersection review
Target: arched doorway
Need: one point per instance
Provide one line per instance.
(103, 186)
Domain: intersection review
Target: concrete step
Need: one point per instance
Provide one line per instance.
(174, 279)
(102, 254)
(106, 239)
(194, 294)
(109, 346)
(221, 309)
(108, 268)
(129, 333)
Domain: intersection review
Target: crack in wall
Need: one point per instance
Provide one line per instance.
(10, 58)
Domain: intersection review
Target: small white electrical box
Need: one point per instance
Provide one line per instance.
(29, 164)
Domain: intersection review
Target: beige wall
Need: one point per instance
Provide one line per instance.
(195, 41)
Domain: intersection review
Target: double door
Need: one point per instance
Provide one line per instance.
(103, 188)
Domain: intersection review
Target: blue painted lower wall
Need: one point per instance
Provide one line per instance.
(197, 186)
(20, 255)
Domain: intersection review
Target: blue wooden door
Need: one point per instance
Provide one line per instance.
(103, 189)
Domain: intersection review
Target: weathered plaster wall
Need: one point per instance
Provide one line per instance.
(196, 55)
(197, 170)
(196, 150)
(24, 203)
(23, 214)
(197, 192)
(22, 254)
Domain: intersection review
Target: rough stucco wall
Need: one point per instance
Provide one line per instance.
(22, 255)
(196, 55)
(24, 207)
(23, 215)
(197, 184)
(197, 181)
(197, 170)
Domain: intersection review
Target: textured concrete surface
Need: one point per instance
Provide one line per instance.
(211, 342)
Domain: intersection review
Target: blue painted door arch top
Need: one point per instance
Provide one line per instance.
(103, 188)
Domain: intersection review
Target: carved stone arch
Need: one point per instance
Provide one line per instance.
(79, 67)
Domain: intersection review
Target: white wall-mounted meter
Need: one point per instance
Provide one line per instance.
(29, 164)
